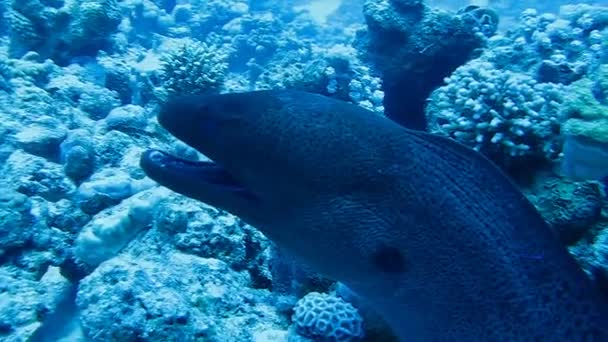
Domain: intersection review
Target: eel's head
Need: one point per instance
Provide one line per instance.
(261, 155)
(217, 126)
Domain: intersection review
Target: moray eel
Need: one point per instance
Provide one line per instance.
(430, 233)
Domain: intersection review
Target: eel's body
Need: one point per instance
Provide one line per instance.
(429, 232)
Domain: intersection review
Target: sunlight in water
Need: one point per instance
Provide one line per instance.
(321, 9)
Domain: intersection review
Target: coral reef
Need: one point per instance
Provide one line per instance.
(585, 107)
(586, 127)
(541, 72)
(415, 47)
(86, 239)
(172, 296)
(28, 305)
(556, 48)
(62, 29)
(335, 72)
(572, 208)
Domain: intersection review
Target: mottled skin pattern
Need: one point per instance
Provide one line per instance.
(434, 236)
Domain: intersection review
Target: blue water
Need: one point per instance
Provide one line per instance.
(93, 250)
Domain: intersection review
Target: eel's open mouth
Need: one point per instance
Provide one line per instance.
(177, 173)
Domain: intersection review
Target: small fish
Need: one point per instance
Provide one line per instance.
(585, 159)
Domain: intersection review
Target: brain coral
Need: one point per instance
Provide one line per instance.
(327, 318)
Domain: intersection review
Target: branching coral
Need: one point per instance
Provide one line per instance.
(507, 116)
(193, 69)
(557, 48)
(336, 72)
(511, 102)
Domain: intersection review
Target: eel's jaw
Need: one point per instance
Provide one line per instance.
(195, 179)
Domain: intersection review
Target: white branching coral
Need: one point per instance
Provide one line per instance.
(194, 68)
(505, 115)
